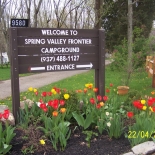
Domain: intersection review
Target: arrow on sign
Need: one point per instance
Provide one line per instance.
(85, 66)
(37, 68)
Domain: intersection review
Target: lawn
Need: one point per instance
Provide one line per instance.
(5, 73)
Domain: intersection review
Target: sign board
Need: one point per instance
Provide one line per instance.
(48, 50)
(19, 23)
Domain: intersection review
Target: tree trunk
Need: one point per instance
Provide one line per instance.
(97, 14)
(130, 41)
(36, 10)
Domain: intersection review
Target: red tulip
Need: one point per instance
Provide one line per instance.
(7, 111)
(99, 97)
(57, 90)
(150, 102)
(95, 90)
(130, 114)
(111, 85)
(98, 106)
(140, 106)
(45, 109)
(42, 105)
(36, 93)
(62, 102)
(55, 104)
(5, 115)
(41, 101)
(92, 100)
(107, 90)
(44, 94)
(105, 98)
(50, 103)
(136, 103)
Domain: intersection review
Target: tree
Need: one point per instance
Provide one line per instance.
(115, 19)
(4, 23)
(130, 40)
(36, 11)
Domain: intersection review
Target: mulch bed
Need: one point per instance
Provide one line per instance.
(76, 145)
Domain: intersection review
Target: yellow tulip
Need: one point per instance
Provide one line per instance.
(66, 96)
(86, 85)
(89, 85)
(143, 101)
(30, 89)
(53, 91)
(42, 142)
(144, 107)
(35, 90)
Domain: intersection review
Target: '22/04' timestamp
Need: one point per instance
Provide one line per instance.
(141, 134)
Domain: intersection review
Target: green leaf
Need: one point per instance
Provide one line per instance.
(7, 149)
(79, 119)
(69, 133)
(9, 133)
(67, 123)
(64, 124)
(5, 146)
(88, 121)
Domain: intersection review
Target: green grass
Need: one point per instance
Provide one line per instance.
(139, 81)
(73, 83)
(5, 73)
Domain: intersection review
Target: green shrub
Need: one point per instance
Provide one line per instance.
(132, 96)
(141, 48)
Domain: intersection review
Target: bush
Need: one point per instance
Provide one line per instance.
(141, 48)
(133, 95)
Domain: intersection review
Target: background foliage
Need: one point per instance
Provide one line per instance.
(115, 19)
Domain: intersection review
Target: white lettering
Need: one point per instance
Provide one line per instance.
(60, 50)
(34, 41)
(73, 32)
(56, 41)
(79, 41)
(44, 32)
(55, 32)
(61, 67)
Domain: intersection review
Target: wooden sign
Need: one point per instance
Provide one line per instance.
(48, 50)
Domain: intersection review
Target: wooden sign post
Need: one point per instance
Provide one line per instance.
(48, 50)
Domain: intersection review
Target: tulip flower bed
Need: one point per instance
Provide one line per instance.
(81, 122)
